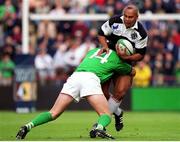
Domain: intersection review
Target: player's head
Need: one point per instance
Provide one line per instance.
(130, 15)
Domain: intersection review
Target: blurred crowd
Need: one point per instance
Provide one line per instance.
(59, 46)
(102, 6)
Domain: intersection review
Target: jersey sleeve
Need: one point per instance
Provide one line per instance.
(105, 29)
(123, 68)
(141, 45)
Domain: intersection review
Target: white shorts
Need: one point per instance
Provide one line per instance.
(81, 84)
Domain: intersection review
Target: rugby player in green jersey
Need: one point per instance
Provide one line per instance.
(85, 82)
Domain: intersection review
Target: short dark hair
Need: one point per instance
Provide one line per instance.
(131, 6)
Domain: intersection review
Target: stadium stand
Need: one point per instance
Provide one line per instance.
(164, 35)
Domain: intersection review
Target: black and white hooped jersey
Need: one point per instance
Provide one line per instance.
(114, 29)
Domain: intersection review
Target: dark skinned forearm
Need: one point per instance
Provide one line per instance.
(135, 57)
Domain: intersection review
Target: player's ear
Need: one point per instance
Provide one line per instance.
(116, 47)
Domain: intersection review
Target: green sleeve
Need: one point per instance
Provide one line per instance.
(2, 11)
(124, 68)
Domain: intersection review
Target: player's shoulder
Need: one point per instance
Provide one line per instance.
(113, 54)
(93, 51)
(141, 30)
(115, 19)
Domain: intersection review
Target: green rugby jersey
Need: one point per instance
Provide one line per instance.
(103, 66)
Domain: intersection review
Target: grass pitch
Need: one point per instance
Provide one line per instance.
(75, 126)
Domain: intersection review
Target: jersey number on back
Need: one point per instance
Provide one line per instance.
(103, 59)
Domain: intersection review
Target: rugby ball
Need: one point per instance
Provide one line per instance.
(123, 43)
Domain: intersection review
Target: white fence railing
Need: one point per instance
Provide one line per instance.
(99, 17)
